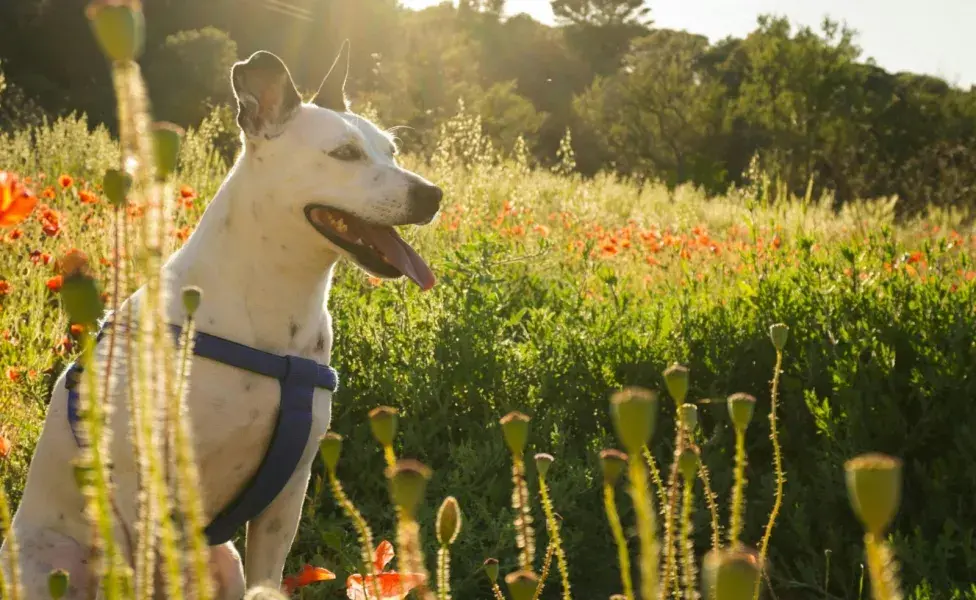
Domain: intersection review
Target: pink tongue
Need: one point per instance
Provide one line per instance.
(399, 254)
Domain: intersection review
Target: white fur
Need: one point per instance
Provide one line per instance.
(265, 274)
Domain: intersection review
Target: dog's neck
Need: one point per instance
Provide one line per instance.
(260, 287)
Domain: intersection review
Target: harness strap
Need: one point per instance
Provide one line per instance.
(299, 378)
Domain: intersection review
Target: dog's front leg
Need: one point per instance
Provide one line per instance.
(270, 535)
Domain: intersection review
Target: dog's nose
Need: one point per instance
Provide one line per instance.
(426, 197)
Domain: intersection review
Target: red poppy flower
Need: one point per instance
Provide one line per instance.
(16, 201)
(187, 193)
(13, 374)
(5, 446)
(65, 181)
(38, 257)
(87, 197)
(54, 284)
(309, 575)
(15, 234)
(4, 287)
(392, 585)
(50, 221)
(49, 193)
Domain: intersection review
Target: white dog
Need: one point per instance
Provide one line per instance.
(314, 183)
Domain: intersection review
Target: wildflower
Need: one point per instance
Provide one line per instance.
(65, 181)
(308, 576)
(390, 583)
(16, 201)
(15, 234)
(50, 221)
(5, 446)
(14, 374)
(76, 330)
(183, 233)
(187, 193)
(54, 284)
(87, 197)
(38, 257)
(49, 193)
(915, 257)
(4, 287)
(374, 281)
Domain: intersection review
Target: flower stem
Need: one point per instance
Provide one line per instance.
(777, 464)
(555, 540)
(362, 528)
(689, 572)
(656, 478)
(444, 573)
(882, 569)
(524, 536)
(710, 500)
(735, 526)
(623, 558)
(546, 569)
(670, 554)
(644, 513)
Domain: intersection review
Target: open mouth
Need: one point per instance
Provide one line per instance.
(378, 248)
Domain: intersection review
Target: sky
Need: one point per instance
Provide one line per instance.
(934, 37)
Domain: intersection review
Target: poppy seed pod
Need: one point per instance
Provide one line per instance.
(330, 448)
(779, 333)
(515, 428)
(166, 144)
(676, 380)
(731, 574)
(542, 463)
(120, 28)
(116, 185)
(689, 416)
(634, 412)
(408, 482)
(191, 299)
(741, 407)
(613, 463)
(383, 423)
(491, 569)
(874, 489)
(522, 584)
(81, 299)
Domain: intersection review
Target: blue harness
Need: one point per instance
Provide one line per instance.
(299, 378)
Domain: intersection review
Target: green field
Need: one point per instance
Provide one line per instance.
(553, 292)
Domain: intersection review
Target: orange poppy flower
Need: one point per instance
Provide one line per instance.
(49, 193)
(392, 585)
(50, 221)
(54, 284)
(13, 374)
(187, 193)
(308, 576)
(5, 446)
(65, 181)
(4, 287)
(16, 201)
(87, 197)
(15, 234)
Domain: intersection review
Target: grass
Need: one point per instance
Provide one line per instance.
(555, 291)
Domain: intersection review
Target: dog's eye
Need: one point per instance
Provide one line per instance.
(348, 152)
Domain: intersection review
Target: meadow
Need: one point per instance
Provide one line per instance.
(554, 291)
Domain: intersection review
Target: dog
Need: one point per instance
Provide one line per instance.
(314, 183)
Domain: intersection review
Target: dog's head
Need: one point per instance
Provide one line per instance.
(334, 173)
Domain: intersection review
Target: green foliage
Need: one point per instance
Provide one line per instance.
(187, 74)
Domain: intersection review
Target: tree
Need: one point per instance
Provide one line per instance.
(601, 13)
(188, 74)
(657, 115)
(600, 31)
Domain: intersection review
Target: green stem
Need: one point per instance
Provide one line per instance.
(497, 591)
(444, 573)
(735, 527)
(610, 505)
(546, 569)
(881, 569)
(670, 555)
(656, 478)
(644, 513)
(777, 466)
(12, 589)
(362, 528)
(555, 538)
(689, 574)
(525, 537)
(712, 505)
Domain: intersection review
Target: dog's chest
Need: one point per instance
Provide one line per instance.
(234, 413)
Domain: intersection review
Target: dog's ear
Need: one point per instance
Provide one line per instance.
(266, 95)
(332, 91)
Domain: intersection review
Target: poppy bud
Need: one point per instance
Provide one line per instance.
(874, 489)
(330, 448)
(119, 27)
(383, 424)
(166, 144)
(741, 407)
(448, 521)
(522, 584)
(676, 380)
(634, 412)
(408, 482)
(613, 462)
(515, 428)
(116, 185)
